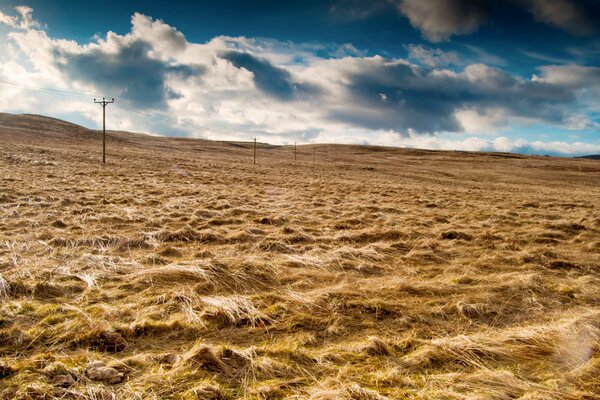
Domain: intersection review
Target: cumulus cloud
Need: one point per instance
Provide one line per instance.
(583, 82)
(236, 88)
(23, 19)
(570, 76)
(129, 72)
(165, 39)
(134, 67)
(428, 100)
(274, 81)
(438, 20)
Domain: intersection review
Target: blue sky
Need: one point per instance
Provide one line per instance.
(512, 75)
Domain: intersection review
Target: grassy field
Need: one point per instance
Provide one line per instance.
(180, 270)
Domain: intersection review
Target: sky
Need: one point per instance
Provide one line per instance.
(506, 75)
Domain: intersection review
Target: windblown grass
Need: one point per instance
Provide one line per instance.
(181, 271)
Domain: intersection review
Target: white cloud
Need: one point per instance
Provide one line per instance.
(571, 76)
(23, 19)
(483, 122)
(166, 40)
(475, 143)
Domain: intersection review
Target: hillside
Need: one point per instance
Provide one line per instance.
(179, 270)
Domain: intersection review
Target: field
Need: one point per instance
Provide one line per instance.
(181, 270)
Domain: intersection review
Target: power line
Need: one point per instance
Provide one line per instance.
(48, 90)
(125, 106)
(104, 103)
(118, 102)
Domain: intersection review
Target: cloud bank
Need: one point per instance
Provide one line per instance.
(236, 87)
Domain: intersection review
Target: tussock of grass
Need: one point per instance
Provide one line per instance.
(350, 392)
(170, 274)
(568, 344)
(206, 391)
(231, 310)
(4, 288)
(470, 311)
(102, 340)
(377, 347)
(204, 357)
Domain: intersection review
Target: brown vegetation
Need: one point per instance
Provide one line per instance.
(180, 270)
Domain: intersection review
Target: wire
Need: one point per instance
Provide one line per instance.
(48, 90)
(118, 102)
(149, 114)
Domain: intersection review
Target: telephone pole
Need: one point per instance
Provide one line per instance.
(104, 103)
(254, 161)
(295, 151)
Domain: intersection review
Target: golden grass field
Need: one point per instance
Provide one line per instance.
(180, 270)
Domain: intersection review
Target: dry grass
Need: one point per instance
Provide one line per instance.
(181, 271)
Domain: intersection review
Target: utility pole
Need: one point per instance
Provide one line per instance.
(314, 154)
(254, 151)
(104, 103)
(295, 158)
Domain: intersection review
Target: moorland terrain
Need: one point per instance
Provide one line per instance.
(181, 270)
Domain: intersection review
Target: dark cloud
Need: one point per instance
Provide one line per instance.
(130, 73)
(395, 96)
(439, 19)
(274, 81)
(385, 94)
(576, 17)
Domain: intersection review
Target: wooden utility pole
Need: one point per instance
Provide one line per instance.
(314, 154)
(254, 162)
(104, 103)
(295, 158)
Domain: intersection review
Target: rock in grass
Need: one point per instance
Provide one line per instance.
(98, 371)
(60, 375)
(456, 235)
(64, 381)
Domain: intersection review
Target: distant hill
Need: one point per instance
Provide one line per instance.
(592, 157)
(36, 129)
(36, 122)
(39, 129)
